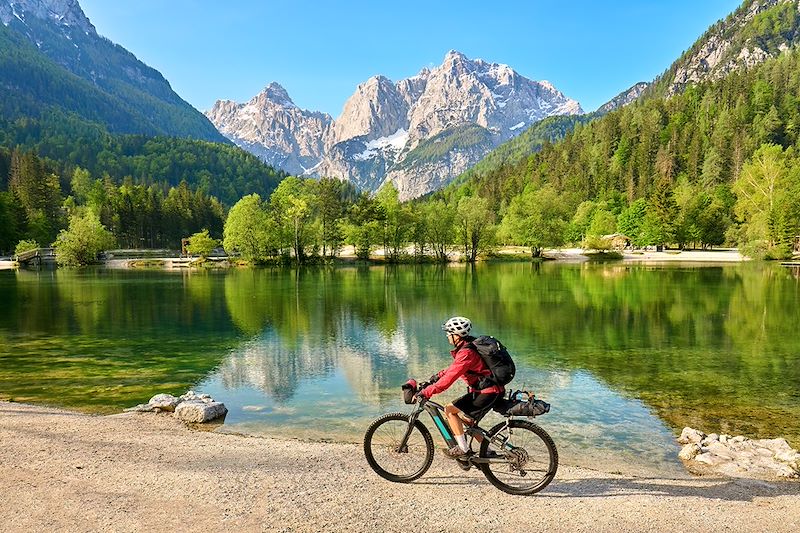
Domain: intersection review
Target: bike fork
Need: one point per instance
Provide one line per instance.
(402, 447)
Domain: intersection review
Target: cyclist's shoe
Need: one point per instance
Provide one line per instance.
(491, 454)
(463, 462)
(455, 453)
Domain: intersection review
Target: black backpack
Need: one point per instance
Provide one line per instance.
(497, 358)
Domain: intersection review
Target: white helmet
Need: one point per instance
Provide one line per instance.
(459, 325)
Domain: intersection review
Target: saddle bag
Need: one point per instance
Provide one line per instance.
(515, 405)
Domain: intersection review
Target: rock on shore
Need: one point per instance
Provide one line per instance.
(190, 407)
(738, 456)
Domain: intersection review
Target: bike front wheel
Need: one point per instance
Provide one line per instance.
(526, 462)
(391, 459)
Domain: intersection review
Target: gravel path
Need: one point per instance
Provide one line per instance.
(63, 471)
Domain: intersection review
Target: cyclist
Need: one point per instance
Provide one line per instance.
(468, 365)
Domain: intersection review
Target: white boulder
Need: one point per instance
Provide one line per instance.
(189, 407)
(689, 435)
(199, 411)
(738, 456)
(164, 402)
(690, 451)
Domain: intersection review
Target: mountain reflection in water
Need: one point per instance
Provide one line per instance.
(627, 353)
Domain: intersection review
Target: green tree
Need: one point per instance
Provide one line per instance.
(397, 222)
(536, 218)
(11, 220)
(763, 190)
(82, 241)
(25, 246)
(363, 229)
(691, 201)
(440, 220)
(39, 193)
(631, 220)
(603, 223)
(291, 206)
(201, 244)
(581, 220)
(81, 185)
(329, 206)
(475, 224)
(250, 231)
(663, 212)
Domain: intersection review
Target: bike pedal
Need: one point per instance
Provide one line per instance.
(464, 462)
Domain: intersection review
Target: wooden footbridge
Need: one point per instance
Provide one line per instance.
(37, 257)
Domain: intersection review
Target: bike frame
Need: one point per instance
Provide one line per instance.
(436, 411)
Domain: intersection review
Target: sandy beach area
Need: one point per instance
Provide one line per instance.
(64, 471)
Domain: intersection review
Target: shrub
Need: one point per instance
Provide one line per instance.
(80, 243)
(201, 244)
(25, 246)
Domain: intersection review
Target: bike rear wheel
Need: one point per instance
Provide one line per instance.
(385, 455)
(531, 458)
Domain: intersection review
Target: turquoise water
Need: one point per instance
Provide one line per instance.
(627, 354)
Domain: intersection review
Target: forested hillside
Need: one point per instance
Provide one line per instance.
(506, 156)
(757, 30)
(714, 164)
(46, 69)
(153, 169)
(684, 154)
(36, 202)
(222, 170)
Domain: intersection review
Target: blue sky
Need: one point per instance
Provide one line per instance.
(320, 51)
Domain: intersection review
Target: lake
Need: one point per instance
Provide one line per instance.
(627, 354)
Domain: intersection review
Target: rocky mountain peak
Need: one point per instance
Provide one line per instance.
(376, 109)
(63, 13)
(490, 95)
(454, 113)
(624, 98)
(454, 55)
(276, 94)
(457, 63)
(738, 42)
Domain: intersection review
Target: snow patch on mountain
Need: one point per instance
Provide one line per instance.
(394, 142)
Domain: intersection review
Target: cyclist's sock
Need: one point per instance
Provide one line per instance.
(462, 442)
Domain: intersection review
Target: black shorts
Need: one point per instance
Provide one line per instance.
(475, 405)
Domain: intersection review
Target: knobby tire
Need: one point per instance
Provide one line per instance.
(541, 466)
(383, 437)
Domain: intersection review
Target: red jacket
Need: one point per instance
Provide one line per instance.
(467, 365)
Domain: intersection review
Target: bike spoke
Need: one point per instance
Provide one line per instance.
(399, 462)
(529, 463)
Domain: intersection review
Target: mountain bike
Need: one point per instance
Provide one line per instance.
(516, 456)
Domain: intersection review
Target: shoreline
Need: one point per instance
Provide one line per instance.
(71, 471)
(506, 253)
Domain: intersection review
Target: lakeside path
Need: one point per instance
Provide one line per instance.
(64, 471)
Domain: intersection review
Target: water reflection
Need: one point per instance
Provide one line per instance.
(327, 390)
(102, 340)
(628, 353)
